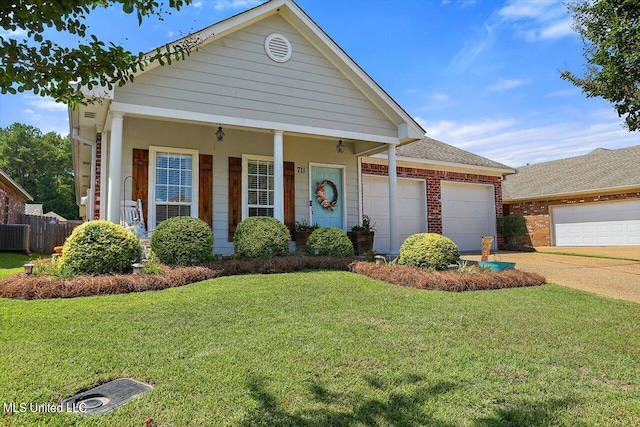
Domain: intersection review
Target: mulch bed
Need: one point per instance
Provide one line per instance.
(451, 281)
(21, 286)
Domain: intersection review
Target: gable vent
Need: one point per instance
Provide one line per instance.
(89, 115)
(278, 47)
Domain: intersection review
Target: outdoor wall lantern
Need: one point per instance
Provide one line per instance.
(220, 134)
(340, 146)
(28, 268)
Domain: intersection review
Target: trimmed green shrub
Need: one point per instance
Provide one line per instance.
(182, 241)
(428, 250)
(511, 227)
(330, 241)
(100, 247)
(261, 237)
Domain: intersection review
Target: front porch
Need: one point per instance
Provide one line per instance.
(180, 168)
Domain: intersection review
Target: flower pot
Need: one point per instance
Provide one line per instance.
(362, 241)
(301, 240)
(497, 265)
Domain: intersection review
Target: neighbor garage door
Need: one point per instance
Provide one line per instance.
(412, 208)
(468, 214)
(597, 224)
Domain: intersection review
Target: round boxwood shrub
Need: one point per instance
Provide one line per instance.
(261, 237)
(100, 247)
(429, 250)
(182, 241)
(330, 241)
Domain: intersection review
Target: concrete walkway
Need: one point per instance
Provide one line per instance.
(627, 252)
(608, 277)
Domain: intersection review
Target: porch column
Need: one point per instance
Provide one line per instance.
(393, 201)
(278, 178)
(115, 168)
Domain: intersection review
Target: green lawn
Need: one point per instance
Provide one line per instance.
(329, 348)
(12, 263)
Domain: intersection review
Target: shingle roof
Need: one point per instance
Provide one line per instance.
(600, 169)
(33, 209)
(432, 149)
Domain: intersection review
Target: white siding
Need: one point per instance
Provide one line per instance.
(141, 133)
(233, 76)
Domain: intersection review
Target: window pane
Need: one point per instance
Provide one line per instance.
(162, 160)
(261, 212)
(185, 177)
(161, 176)
(161, 193)
(262, 168)
(262, 182)
(187, 194)
(174, 161)
(186, 162)
(253, 197)
(252, 167)
(253, 182)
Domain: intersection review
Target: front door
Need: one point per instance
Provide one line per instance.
(327, 198)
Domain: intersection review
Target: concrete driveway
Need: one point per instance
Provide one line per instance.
(608, 277)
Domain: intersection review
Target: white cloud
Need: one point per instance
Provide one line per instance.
(170, 34)
(234, 4)
(536, 20)
(197, 4)
(47, 104)
(557, 29)
(472, 48)
(13, 34)
(440, 97)
(503, 85)
(516, 143)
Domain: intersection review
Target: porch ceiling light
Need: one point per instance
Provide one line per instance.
(340, 146)
(220, 133)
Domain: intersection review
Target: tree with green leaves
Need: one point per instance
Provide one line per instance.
(41, 164)
(42, 66)
(610, 30)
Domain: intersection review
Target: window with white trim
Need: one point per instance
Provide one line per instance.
(175, 190)
(259, 187)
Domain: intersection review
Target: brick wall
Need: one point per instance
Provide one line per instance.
(96, 204)
(11, 205)
(537, 213)
(433, 180)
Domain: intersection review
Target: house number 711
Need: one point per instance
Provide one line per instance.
(302, 170)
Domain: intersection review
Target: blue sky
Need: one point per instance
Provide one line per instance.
(483, 75)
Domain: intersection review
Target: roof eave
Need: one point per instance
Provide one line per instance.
(594, 192)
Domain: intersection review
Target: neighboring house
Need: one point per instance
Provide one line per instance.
(590, 200)
(295, 110)
(441, 189)
(33, 209)
(52, 214)
(12, 199)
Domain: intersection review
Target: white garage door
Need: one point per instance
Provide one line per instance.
(468, 214)
(412, 208)
(597, 224)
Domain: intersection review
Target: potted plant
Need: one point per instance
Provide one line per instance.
(303, 231)
(361, 235)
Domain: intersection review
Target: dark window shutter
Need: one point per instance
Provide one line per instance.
(140, 184)
(205, 189)
(290, 198)
(235, 195)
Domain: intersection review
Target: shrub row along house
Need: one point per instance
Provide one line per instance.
(269, 117)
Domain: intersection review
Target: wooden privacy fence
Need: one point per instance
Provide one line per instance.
(47, 233)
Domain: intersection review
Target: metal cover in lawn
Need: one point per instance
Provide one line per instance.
(106, 397)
